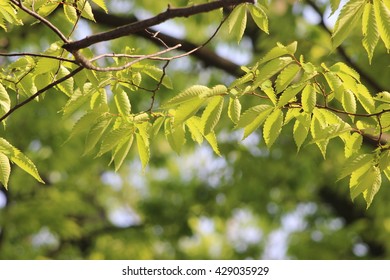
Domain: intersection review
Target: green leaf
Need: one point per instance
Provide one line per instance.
(278, 51)
(96, 132)
(286, 76)
(382, 15)
(67, 85)
(365, 98)
(383, 96)
(187, 110)
(269, 91)
(156, 74)
(353, 143)
(354, 163)
(253, 117)
(45, 65)
(270, 69)
(259, 17)
(5, 102)
(212, 140)
(309, 98)
(101, 4)
(341, 67)
(122, 102)
(19, 159)
(273, 127)
(289, 94)
(70, 12)
(175, 135)
(86, 122)
(211, 114)
(189, 94)
(121, 151)
(5, 170)
(369, 30)
(301, 129)
(157, 124)
(86, 9)
(372, 183)
(114, 138)
(237, 21)
(234, 110)
(195, 128)
(143, 150)
(350, 14)
(349, 102)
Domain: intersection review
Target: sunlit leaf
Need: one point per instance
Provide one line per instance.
(273, 127)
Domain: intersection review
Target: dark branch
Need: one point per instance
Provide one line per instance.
(144, 24)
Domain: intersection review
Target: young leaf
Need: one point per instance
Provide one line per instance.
(349, 102)
(365, 98)
(269, 91)
(96, 132)
(67, 85)
(382, 15)
(309, 98)
(143, 150)
(237, 21)
(254, 117)
(114, 138)
(273, 127)
(369, 30)
(5, 102)
(122, 102)
(5, 170)
(195, 128)
(286, 76)
(211, 114)
(85, 122)
(301, 129)
(101, 4)
(191, 93)
(121, 151)
(86, 9)
(349, 16)
(353, 143)
(175, 135)
(212, 140)
(289, 94)
(70, 12)
(374, 181)
(270, 69)
(278, 51)
(187, 110)
(354, 163)
(234, 110)
(259, 17)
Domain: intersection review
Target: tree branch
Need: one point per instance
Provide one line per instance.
(144, 24)
(208, 57)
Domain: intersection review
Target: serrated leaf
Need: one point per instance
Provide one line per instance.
(273, 127)
(270, 69)
(276, 52)
(96, 132)
(269, 91)
(237, 21)
(301, 129)
(242, 80)
(382, 15)
(349, 102)
(86, 122)
(335, 84)
(353, 143)
(341, 67)
(156, 74)
(289, 94)
(19, 159)
(114, 138)
(373, 183)
(234, 110)
(86, 9)
(5, 170)
(350, 14)
(259, 17)
(191, 93)
(365, 98)
(143, 150)
(211, 114)
(195, 128)
(157, 124)
(309, 98)
(121, 151)
(369, 30)
(251, 114)
(383, 96)
(45, 65)
(175, 135)
(354, 163)
(70, 12)
(67, 85)
(5, 102)
(286, 76)
(101, 4)
(212, 140)
(187, 110)
(122, 102)
(317, 132)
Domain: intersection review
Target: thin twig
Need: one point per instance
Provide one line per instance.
(41, 19)
(41, 91)
(38, 55)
